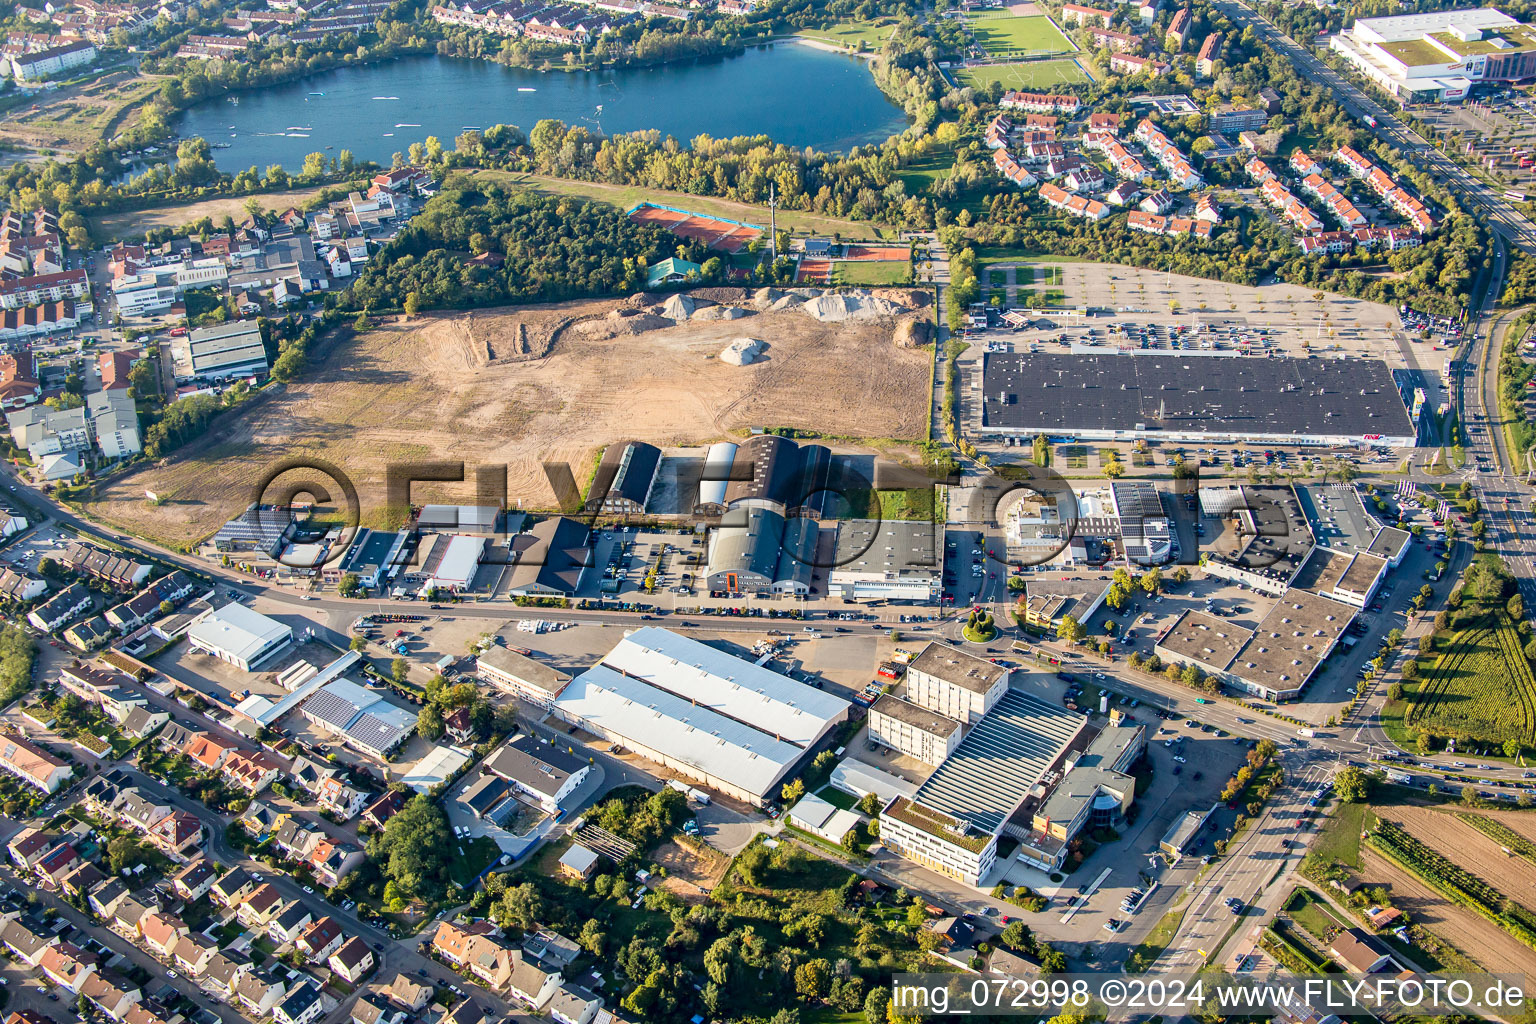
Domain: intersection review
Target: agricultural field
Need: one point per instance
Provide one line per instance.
(1480, 687)
(1035, 74)
(854, 35)
(1463, 884)
(523, 386)
(1000, 34)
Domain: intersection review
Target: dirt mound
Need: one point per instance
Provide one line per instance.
(625, 326)
(913, 333)
(786, 302)
(742, 351)
(724, 295)
(721, 313)
(912, 298)
(767, 296)
(841, 306)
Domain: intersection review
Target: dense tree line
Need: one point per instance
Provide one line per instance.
(554, 248)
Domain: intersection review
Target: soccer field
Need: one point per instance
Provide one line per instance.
(1008, 33)
(1039, 74)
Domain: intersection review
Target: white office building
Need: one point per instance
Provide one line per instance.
(239, 635)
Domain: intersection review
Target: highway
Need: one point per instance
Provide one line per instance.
(1478, 198)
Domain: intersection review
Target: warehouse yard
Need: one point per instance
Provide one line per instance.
(526, 386)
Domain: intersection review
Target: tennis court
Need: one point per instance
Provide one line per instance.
(1025, 75)
(720, 235)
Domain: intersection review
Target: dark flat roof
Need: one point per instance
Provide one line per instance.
(1059, 391)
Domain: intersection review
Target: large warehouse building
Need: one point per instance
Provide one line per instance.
(1438, 55)
(239, 635)
(1123, 396)
(721, 721)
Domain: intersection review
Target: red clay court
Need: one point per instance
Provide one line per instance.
(814, 272)
(720, 235)
(877, 252)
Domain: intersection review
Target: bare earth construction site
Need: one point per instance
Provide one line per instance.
(527, 385)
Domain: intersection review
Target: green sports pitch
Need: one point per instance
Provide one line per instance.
(1036, 74)
(1000, 33)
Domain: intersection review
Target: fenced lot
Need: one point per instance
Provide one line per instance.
(1000, 33)
(1025, 75)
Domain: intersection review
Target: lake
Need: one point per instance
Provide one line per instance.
(781, 90)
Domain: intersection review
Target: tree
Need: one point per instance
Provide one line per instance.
(359, 643)
(124, 852)
(1469, 795)
(812, 979)
(414, 850)
(429, 722)
(875, 1005)
(1017, 936)
(1425, 743)
(1511, 748)
(350, 585)
(792, 791)
(522, 906)
(143, 379)
(1395, 691)
(1352, 784)
(1152, 580)
(399, 670)
(1042, 451)
(1070, 630)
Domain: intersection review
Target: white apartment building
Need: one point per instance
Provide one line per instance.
(915, 731)
(955, 684)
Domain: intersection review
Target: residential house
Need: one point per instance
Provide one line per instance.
(320, 939)
(68, 604)
(27, 942)
(125, 919)
(531, 982)
(81, 878)
(408, 994)
(178, 835)
(352, 961)
(67, 965)
(56, 863)
(160, 932)
(223, 972)
(209, 752)
(112, 995)
(29, 846)
(232, 889)
(551, 948)
(1359, 951)
(331, 860)
(261, 907)
(386, 806)
(459, 726)
(466, 1012)
(258, 991)
(104, 899)
(252, 772)
(178, 737)
(374, 1008)
(572, 1004)
(302, 1005)
(194, 952)
(33, 765)
(290, 923)
(141, 721)
(340, 799)
(487, 959)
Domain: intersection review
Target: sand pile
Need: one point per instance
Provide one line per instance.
(678, 307)
(784, 302)
(850, 306)
(742, 351)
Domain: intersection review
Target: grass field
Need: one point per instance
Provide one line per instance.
(77, 116)
(1009, 33)
(1481, 687)
(1312, 912)
(852, 34)
(917, 177)
(1037, 74)
(1340, 839)
(137, 222)
(877, 273)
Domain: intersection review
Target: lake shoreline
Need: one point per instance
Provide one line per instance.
(378, 109)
